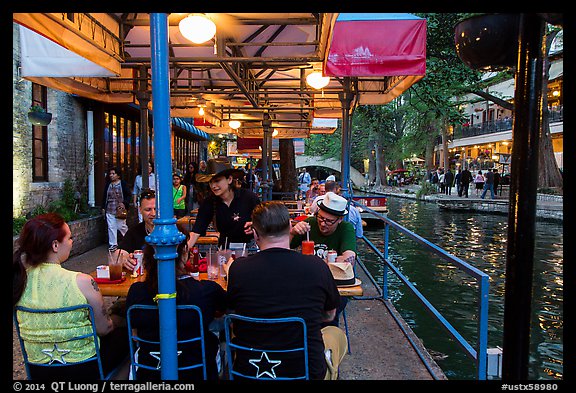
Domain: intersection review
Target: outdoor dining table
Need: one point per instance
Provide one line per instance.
(211, 237)
(121, 289)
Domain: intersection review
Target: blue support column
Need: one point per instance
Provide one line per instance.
(165, 237)
(385, 265)
(481, 350)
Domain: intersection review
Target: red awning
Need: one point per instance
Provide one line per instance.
(377, 45)
(249, 143)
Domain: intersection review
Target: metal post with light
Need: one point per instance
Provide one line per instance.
(165, 237)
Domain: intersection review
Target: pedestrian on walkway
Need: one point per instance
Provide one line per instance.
(458, 181)
(202, 190)
(479, 182)
(466, 179)
(435, 178)
(189, 181)
(496, 181)
(116, 197)
(178, 195)
(448, 181)
(441, 182)
(304, 181)
(138, 187)
(488, 184)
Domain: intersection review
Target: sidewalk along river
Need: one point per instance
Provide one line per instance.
(479, 239)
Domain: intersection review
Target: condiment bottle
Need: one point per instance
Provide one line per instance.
(194, 266)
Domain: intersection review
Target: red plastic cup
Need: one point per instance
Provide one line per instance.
(307, 247)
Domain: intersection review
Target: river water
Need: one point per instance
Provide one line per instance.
(479, 239)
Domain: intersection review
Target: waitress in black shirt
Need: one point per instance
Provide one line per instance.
(229, 207)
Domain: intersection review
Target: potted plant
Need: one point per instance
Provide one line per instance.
(38, 116)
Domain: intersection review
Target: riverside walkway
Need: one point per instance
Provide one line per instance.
(547, 206)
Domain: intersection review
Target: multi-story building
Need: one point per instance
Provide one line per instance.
(484, 140)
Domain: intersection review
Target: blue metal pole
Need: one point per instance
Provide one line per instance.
(165, 236)
(385, 266)
(482, 349)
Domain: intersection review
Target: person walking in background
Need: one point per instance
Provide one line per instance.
(40, 282)
(496, 181)
(178, 195)
(138, 187)
(441, 181)
(448, 181)
(202, 190)
(458, 181)
(488, 184)
(304, 180)
(466, 179)
(189, 182)
(116, 195)
(207, 295)
(435, 178)
(479, 182)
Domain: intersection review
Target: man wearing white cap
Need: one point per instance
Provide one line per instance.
(329, 231)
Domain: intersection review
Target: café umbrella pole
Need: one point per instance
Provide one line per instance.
(165, 237)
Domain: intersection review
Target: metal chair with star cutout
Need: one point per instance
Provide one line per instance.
(263, 360)
(145, 351)
(63, 348)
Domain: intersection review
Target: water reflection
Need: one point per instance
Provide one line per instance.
(480, 240)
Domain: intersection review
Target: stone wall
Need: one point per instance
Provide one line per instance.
(88, 233)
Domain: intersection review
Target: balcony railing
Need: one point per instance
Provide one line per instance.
(489, 127)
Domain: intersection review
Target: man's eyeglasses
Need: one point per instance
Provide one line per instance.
(325, 220)
(147, 194)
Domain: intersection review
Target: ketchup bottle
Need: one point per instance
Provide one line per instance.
(195, 261)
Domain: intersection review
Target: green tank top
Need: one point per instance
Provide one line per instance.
(52, 286)
(177, 193)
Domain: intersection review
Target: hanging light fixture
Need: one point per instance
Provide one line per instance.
(198, 28)
(234, 124)
(317, 81)
(275, 133)
(201, 111)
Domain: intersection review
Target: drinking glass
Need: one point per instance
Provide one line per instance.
(307, 247)
(213, 265)
(115, 260)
